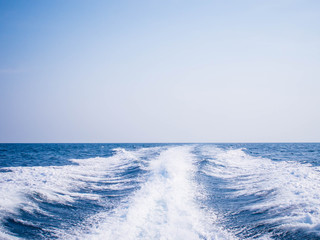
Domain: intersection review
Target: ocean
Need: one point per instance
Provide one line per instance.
(160, 191)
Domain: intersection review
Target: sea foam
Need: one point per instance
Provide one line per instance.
(24, 188)
(164, 208)
(290, 190)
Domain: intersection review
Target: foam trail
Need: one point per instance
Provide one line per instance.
(290, 191)
(23, 188)
(164, 208)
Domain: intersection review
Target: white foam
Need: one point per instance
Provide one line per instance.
(6, 236)
(164, 208)
(294, 187)
(60, 184)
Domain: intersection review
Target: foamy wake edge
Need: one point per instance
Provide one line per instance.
(290, 190)
(164, 208)
(22, 188)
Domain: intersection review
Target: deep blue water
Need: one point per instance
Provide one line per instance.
(160, 191)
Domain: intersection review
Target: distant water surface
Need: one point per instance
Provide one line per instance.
(160, 191)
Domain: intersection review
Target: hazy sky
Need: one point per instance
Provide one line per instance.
(160, 71)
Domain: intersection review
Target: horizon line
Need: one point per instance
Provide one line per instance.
(151, 142)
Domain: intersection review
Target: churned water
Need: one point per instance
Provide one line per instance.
(160, 191)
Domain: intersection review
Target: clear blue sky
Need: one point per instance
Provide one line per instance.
(159, 71)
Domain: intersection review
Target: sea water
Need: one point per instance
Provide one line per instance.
(160, 191)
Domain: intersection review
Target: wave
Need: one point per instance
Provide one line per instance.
(287, 192)
(168, 192)
(28, 189)
(164, 208)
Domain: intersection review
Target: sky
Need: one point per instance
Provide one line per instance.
(159, 71)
